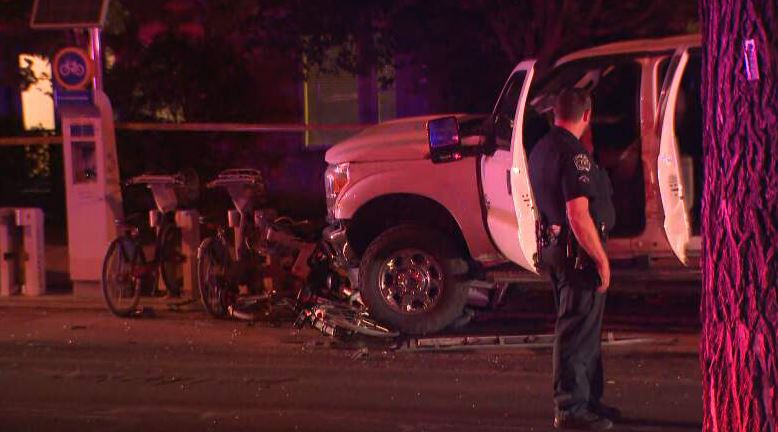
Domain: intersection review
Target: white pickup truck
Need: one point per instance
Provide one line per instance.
(421, 229)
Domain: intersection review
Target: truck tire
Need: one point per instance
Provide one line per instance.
(411, 279)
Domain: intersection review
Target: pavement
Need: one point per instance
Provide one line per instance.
(66, 364)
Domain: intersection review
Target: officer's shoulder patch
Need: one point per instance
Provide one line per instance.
(582, 162)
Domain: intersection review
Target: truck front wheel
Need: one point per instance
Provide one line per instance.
(412, 279)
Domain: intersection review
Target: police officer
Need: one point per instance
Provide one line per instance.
(574, 198)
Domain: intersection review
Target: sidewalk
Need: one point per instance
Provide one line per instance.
(68, 301)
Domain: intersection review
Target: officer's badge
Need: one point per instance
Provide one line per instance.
(584, 178)
(582, 162)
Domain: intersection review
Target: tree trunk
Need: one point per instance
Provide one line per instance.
(739, 311)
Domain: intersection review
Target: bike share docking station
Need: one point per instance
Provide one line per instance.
(92, 191)
(92, 181)
(94, 200)
(170, 192)
(22, 253)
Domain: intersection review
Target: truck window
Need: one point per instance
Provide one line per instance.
(505, 111)
(688, 131)
(661, 76)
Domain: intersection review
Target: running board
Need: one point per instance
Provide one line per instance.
(492, 342)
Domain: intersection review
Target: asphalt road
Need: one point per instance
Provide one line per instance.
(77, 368)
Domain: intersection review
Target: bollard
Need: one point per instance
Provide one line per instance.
(22, 249)
(8, 285)
(31, 222)
(189, 223)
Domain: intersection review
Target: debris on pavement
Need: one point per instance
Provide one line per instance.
(360, 353)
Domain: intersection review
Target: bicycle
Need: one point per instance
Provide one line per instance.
(273, 262)
(338, 318)
(72, 68)
(228, 266)
(126, 272)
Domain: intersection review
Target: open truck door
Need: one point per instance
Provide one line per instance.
(669, 170)
(508, 199)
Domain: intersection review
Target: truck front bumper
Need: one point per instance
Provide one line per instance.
(343, 256)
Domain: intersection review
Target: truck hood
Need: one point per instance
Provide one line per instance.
(402, 139)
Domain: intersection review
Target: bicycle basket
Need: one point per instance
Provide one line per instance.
(246, 187)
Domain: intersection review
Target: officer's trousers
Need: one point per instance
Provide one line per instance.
(578, 374)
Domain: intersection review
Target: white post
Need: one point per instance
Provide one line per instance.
(7, 263)
(189, 223)
(31, 222)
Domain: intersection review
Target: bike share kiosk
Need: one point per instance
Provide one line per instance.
(171, 192)
(93, 192)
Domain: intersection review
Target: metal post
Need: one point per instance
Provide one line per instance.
(96, 51)
(8, 284)
(31, 222)
(189, 223)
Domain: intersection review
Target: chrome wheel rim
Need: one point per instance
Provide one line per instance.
(411, 281)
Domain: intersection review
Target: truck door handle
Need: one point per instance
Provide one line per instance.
(508, 181)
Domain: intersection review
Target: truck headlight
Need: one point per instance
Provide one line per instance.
(335, 180)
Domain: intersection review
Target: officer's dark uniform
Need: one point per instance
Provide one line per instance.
(560, 170)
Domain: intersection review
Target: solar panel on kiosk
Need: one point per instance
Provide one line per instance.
(59, 14)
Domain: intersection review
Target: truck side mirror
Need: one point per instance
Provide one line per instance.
(445, 143)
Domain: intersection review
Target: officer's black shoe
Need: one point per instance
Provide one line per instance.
(585, 420)
(606, 411)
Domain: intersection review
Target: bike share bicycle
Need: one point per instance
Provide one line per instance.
(265, 262)
(126, 271)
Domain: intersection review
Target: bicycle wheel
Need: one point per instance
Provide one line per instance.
(171, 259)
(217, 291)
(123, 268)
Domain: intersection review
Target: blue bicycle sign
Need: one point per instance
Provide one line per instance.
(72, 68)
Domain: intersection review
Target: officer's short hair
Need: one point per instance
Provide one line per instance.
(571, 103)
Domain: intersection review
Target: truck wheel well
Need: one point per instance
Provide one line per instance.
(387, 211)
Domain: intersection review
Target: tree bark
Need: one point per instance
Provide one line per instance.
(739, 310)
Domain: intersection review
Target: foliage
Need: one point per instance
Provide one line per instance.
(17, 38)
(176, 79)
(463, 50)
(206, 57)
(552, 27)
